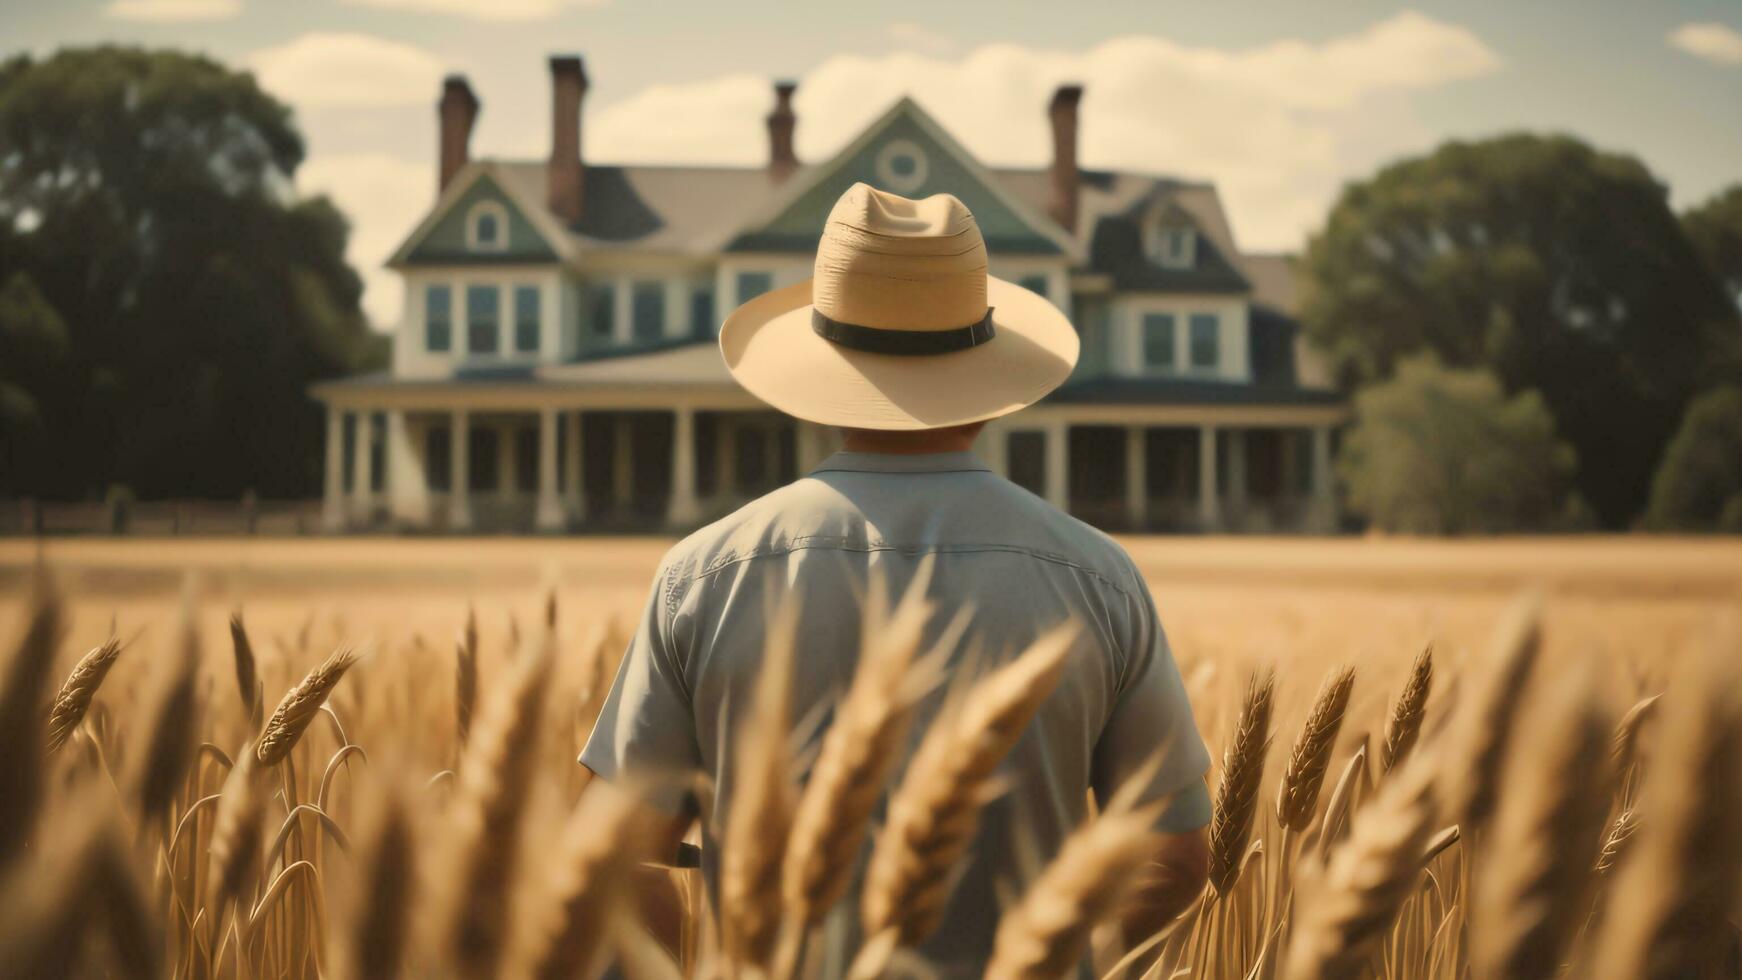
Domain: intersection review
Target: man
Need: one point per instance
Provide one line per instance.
(903, 341)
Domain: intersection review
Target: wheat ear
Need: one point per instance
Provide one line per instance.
(494, 782)
(1683, 874)
(466, 680)
(77, 691)
(601, 846)
(21, 698)
(1311, 756)
(1624, 745)
(934, 812)
(1403, 727)
(247, 673)
(1552, 803)
(299, 706)
(1346, 907)
(1242, 773)
(1489, 713)
(378, 934)
(173, 724)
(1615, 842)
(862, 745)
(762, 804)
(1045, 934)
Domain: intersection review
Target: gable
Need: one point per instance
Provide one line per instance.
(445, 242)
(903, 155)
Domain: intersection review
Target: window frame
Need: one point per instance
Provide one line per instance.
(1195, 320)
(474, 218)
(521, 292)
(446, 291)
(494, 312)
(1173, 245)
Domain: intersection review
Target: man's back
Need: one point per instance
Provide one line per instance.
(1016, 564)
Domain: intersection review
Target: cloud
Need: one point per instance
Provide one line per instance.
(1712, 42)
(907, 34)
(323, 70)
(173, 11)
(482, 9)
(1278, 127)
(384, 197)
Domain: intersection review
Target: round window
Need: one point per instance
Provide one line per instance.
(901, 166)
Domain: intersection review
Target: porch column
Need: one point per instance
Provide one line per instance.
(681, 509)
(1324, 505)
(407, 484)
(362, 447)
(1136, 477)
(1209, 508)
(333, 494)
(549, 516)
(572, 467)
(460, 471)
(726, 457)
(1237, 469)
(1058, 488)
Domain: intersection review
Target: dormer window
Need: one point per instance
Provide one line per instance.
(487, 227)
(1173, 246)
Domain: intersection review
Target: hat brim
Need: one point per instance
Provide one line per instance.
(772, 350)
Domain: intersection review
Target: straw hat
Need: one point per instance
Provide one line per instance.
(900, 327)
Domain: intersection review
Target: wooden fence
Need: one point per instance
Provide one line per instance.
(157, 518)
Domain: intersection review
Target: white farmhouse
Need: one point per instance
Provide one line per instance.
(556, 365)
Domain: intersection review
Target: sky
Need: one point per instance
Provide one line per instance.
(1279, 102)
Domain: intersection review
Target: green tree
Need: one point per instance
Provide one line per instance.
(147, 201)
(1699, 485)
(1716, 230)
(1560, 268)
(1439, 451)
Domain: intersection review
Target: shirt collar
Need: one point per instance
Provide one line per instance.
(849, 462)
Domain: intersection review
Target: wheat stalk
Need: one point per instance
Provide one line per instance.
(1681, 877)
(1346, 907)
(934, 812)
(299, 706)
(1043, 937)
(1242, 772)
(857, 753)
(495, 779)
(1404, 726)
(1311, 756)
(77, 691)
(1552, 803)
(1486, 719)
(247, 673)
(1624, 745)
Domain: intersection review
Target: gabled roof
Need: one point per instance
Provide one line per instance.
(793, 220)
(486, 177)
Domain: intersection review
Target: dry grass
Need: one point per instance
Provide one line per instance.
(153, 824)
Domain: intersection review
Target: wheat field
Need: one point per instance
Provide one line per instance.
(355, 759)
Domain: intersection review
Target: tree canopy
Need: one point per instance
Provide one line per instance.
(178, 297)
(1716, 230)
(1438, 451)
(1560, 268)
(1699, 485)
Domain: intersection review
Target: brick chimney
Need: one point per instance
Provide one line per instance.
(782, 161)
(456, 112)
(568, 85)
(1062, 201)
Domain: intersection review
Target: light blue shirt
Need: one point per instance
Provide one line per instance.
(1019, 563)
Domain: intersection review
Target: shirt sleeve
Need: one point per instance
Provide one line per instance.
(646, 730)
(1152, 715)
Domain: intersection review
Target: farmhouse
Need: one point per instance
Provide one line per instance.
(556, 366)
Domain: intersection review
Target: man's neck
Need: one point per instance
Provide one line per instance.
(956, 439)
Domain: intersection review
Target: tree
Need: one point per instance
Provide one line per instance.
(1715, 228)
(1699, 485)
(1559, 268)
(147, 205)
(1438, 451)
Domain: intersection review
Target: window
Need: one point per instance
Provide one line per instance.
(1206, 340)
(1173, 246)
(902, 166)
(647, 311)
(1158, 341)
(526, 319)
(1034, 284)
(702, 311)
(604, 309)
(487, 227)
(482, 313)
(753, 284)
(438, 319)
